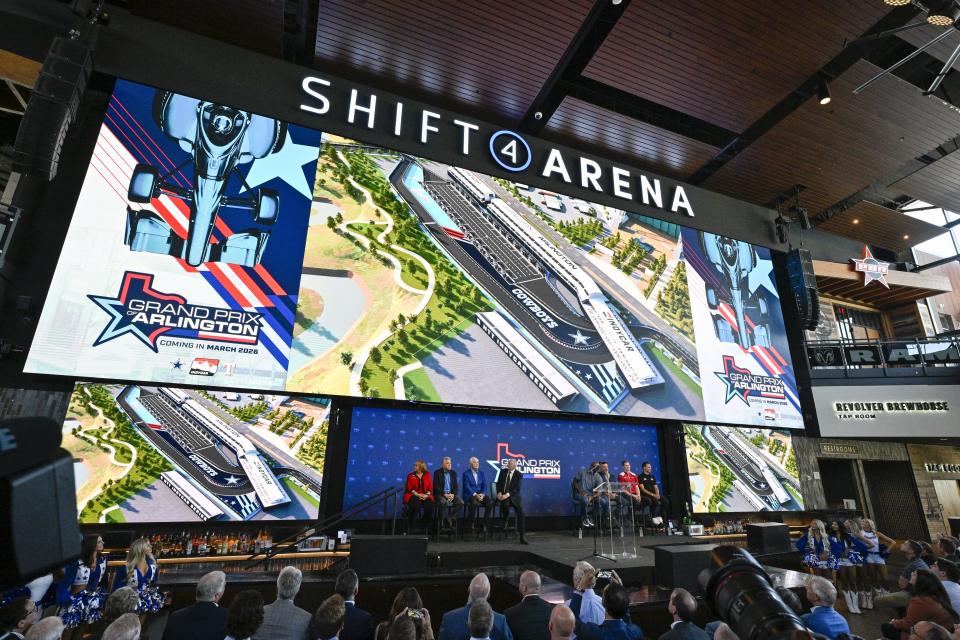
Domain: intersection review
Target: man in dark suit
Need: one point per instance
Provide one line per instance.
(205, 619)
(357, 624)
(454, 624)
(683, 608)
(530, 619)
(508, 495)
(446, 494)
(617, 624)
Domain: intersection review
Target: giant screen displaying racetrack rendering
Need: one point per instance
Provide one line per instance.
(384, 444)
(234, 250)
(147, 453)
(741, 469)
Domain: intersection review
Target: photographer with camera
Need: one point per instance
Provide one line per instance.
(585, 603)
(616, 624)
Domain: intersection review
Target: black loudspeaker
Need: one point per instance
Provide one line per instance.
(388, 555)
(52, 108)
(679, 565)
(768, 537)
(804, 285)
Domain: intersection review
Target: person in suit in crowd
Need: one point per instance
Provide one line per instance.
(47, 629)
(475, 490)
(16, 617)
(823, 618)
(480, 620)
(587, 606)
(683, 608)
(418, 494)
(328, 618)
(530, 618)
(453, 625)
(358, 624)
(446, 494)
(205, 619)
(616, 624)
(245, 615)
(123, 600)
(403, 627)
(282, 619)
(126, 627)
(562, 623)
(508, 495)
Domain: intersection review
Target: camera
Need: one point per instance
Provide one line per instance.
(742, 594)
(414, 613)
(604, 573)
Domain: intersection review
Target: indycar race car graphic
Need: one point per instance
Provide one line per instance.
(217, 138)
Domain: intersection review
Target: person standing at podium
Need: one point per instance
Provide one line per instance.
(508, 494)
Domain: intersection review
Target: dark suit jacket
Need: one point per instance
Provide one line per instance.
(514, 488)
(199, 621)
(609, 630)
(528, 620)
(357, 625)
(453, 625)
(685, 631)
(438, 483)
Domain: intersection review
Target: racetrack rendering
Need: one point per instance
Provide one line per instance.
(741, 469)
(192, 455)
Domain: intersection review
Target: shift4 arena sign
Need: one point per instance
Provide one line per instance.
(147, 314)
(743, 384)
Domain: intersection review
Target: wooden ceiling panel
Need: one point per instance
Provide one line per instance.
(652, 148)
(881, 227)
(838, 149)
(468, 52)
(727, 67)
(938, 183)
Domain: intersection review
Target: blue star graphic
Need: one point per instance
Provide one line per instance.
(762, 276)
(177, 365)
(119, 323)
(286, 164)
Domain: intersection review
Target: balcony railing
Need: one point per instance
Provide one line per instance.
(895, 358)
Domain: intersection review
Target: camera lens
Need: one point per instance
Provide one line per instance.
(742, 594)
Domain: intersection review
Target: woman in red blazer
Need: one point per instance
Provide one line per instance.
(418, 493)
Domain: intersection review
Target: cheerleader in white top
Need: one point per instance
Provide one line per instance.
(874, 561)
(88, 590)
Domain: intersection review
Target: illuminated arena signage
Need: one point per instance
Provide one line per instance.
(508, 149)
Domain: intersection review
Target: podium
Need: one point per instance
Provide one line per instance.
(612, 509)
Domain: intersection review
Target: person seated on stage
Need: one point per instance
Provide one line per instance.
(630, 490)
(418, 493)
(530, 618)
(562, 623)
(445, 492)
(282, 619)
(126, 627)
(588, 494)
(328, 618)
(203, 620)
(475, 490)
(616, 624)
(683, 608)
(454, 624)
(508, 495)
(650, 492)
(585, 603)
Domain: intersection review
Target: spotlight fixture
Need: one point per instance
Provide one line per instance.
(856, 221)
(897, 3)
(823, 92)
(906, 236)
(943, 14)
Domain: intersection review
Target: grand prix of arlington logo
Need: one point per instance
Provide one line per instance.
(745, 385)
(528, 467)
(141, 310)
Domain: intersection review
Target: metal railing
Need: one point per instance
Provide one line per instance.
(893, 358)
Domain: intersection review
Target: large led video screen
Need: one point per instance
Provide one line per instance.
(741, 469)
(217, 247)
(145, 453)
(384, 444)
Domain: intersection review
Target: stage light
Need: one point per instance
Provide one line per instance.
(943, 15)
(897, 3)
(906, 236)
(823, 92)
(856, 221)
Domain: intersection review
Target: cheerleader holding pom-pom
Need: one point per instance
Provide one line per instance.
(142, 576)
(851, 552)
(818, 550)
(88, 586)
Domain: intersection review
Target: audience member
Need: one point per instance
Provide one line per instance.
(562, 623)
(47, 629)
(930, 631)
(328, 618)
(926, 552)
(245, 615)
(407, 598)
(402, 628)
(617, 624)
(123, 600)
(126, 627)
(358, 624)
(585, 602)
(948, 549)
(16, 617)
(283, 620)
(683, 608)
(892, 603)
(724, 632)
(928, 602)
(204, 619)
(823, 618)
(530, 618)
(949, 576)
(453, 625)
(480, 620)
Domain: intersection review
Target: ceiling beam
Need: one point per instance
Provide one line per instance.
(585, 43)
